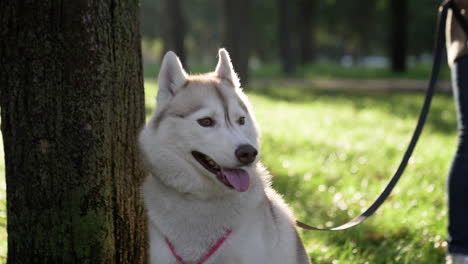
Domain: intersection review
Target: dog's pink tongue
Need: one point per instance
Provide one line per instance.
(239, 179)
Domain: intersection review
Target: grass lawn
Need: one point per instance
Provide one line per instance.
(331, 153)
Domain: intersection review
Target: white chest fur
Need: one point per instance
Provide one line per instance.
(193, 228)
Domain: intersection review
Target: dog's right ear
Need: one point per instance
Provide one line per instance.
(225, 70)
(172, 77)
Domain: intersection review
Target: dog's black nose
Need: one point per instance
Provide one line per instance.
(246, 154)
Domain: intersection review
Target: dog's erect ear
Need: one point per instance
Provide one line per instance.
(224, 69)
(172, 77)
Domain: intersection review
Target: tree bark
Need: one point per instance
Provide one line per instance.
(236, 34)
(72, 102)
(286, 33)
(398, 31)
(174, 28)
(306, 30)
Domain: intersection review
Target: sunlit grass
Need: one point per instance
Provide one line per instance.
(330, 70)
(331, 153)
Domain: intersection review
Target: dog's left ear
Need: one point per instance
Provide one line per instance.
(224, 69)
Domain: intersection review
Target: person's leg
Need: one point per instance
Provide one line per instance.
(458, 175)
(457, 54)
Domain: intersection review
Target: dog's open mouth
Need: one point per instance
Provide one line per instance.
(237, 179)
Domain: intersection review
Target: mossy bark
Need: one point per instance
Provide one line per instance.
(72, 102)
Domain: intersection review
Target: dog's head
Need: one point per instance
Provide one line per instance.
(202, 138)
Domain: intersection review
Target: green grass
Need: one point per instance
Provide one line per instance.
(331, 153)
(335, 71)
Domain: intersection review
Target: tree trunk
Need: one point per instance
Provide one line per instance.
(306, 30)
(236, 34)
(72, 101)
(285, 33)
(174, 28)
(398, 31)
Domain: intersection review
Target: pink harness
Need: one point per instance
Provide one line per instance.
(207, 255)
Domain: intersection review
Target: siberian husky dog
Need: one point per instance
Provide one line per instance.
(208, 198)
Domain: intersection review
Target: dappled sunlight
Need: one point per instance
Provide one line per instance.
(340, 149)
(336, 87)
(151, 89)
(403, 105)
(331, 153)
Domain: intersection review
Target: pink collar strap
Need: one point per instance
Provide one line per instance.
(207, 255)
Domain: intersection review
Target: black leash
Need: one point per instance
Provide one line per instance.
(439, 49)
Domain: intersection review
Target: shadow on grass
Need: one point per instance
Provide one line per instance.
(377, 245)
(403, 104)
(371, 242)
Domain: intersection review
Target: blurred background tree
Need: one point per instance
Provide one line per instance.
(306, 26)
(398, 30)
(291, 36)
(236, 34)
(173, 33)
(286, 30)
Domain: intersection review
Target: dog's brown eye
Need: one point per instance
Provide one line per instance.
(206, 122)
(241, 121)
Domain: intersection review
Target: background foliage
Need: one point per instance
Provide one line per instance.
(358, 28)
